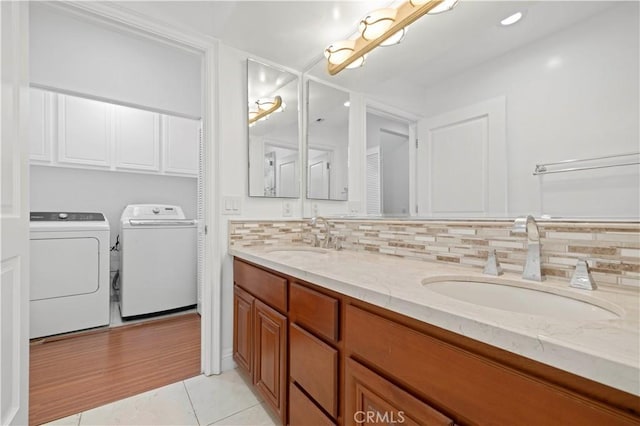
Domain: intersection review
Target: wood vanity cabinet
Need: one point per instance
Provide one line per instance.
(322, 358)
(260, 332)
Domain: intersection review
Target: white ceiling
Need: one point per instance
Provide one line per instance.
(295, 33)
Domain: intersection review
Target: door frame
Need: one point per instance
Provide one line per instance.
(386, 111)
(209, 206)
(14, 215)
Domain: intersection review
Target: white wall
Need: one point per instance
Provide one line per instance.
(83, 190)
(73, 55)
(233, 172)
(573, 94)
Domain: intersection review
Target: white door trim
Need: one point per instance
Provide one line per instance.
(121, 19)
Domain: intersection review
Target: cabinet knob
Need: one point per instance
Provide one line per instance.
(155, 210)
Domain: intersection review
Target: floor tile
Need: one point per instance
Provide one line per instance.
(254, 416)
(217, 397)
(65, 421)
(168, 405)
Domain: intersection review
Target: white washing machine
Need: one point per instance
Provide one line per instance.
(69, 270)
(158, 259)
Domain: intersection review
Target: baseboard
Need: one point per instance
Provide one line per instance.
(227, 363)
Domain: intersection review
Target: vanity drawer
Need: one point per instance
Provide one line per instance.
(313, 365)
(317, 312)
(303, 412)
(478, 390)
(267, 287)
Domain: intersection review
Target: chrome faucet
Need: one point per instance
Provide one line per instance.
(313, 222)
(527, 225)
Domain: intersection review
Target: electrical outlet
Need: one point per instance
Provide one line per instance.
(286, 208)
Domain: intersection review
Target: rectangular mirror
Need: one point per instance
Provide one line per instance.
(327, 142)
(274, 165)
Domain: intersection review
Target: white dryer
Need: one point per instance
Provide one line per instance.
(69, 271)
(158, 259)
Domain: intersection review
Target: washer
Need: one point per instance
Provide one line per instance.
(158, 259)
(69, 272)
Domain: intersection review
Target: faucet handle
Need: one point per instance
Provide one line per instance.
(582, 277)
(493, 266)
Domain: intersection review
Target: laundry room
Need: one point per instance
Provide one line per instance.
(116, 122)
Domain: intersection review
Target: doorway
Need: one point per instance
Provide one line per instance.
(387, 166)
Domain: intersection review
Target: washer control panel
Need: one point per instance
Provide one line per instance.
(66, 217)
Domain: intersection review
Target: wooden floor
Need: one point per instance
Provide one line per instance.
(76, 373)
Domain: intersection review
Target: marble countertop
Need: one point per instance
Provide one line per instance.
(606, 351)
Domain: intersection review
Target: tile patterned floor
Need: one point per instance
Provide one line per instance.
(226, 399)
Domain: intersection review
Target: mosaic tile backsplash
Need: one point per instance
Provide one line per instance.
(612, 249)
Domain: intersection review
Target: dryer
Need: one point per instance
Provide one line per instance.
(158, 259)
(69, 268)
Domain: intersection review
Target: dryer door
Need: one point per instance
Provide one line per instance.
(63, 267)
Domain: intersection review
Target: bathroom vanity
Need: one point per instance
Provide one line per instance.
(338, 338)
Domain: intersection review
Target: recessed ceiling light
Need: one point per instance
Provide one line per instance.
(510, 20)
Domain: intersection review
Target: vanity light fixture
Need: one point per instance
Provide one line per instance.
(510, 20)
(265, 107)
(382, 27)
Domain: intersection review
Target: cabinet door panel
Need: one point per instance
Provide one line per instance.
(40, 125)
(137, 138)
(181, 145)
(83, 131)
(243, 330)
(270, 346)
(370, 399)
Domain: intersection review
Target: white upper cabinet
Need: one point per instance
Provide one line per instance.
(70, 131)
(181, 138)
(137, 139)
(83, 131)
(40, 138)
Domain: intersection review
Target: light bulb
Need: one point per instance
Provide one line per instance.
(396, 38)
(377, 23)
(339, 51)
(357, 63)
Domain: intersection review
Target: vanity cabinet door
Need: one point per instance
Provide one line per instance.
(372, 400)
(270, 361)
(243, 330)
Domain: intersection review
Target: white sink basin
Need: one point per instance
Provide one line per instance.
(298, 250)
(514, 298)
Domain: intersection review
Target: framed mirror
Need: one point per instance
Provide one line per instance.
(272, 117)
(327, 142)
